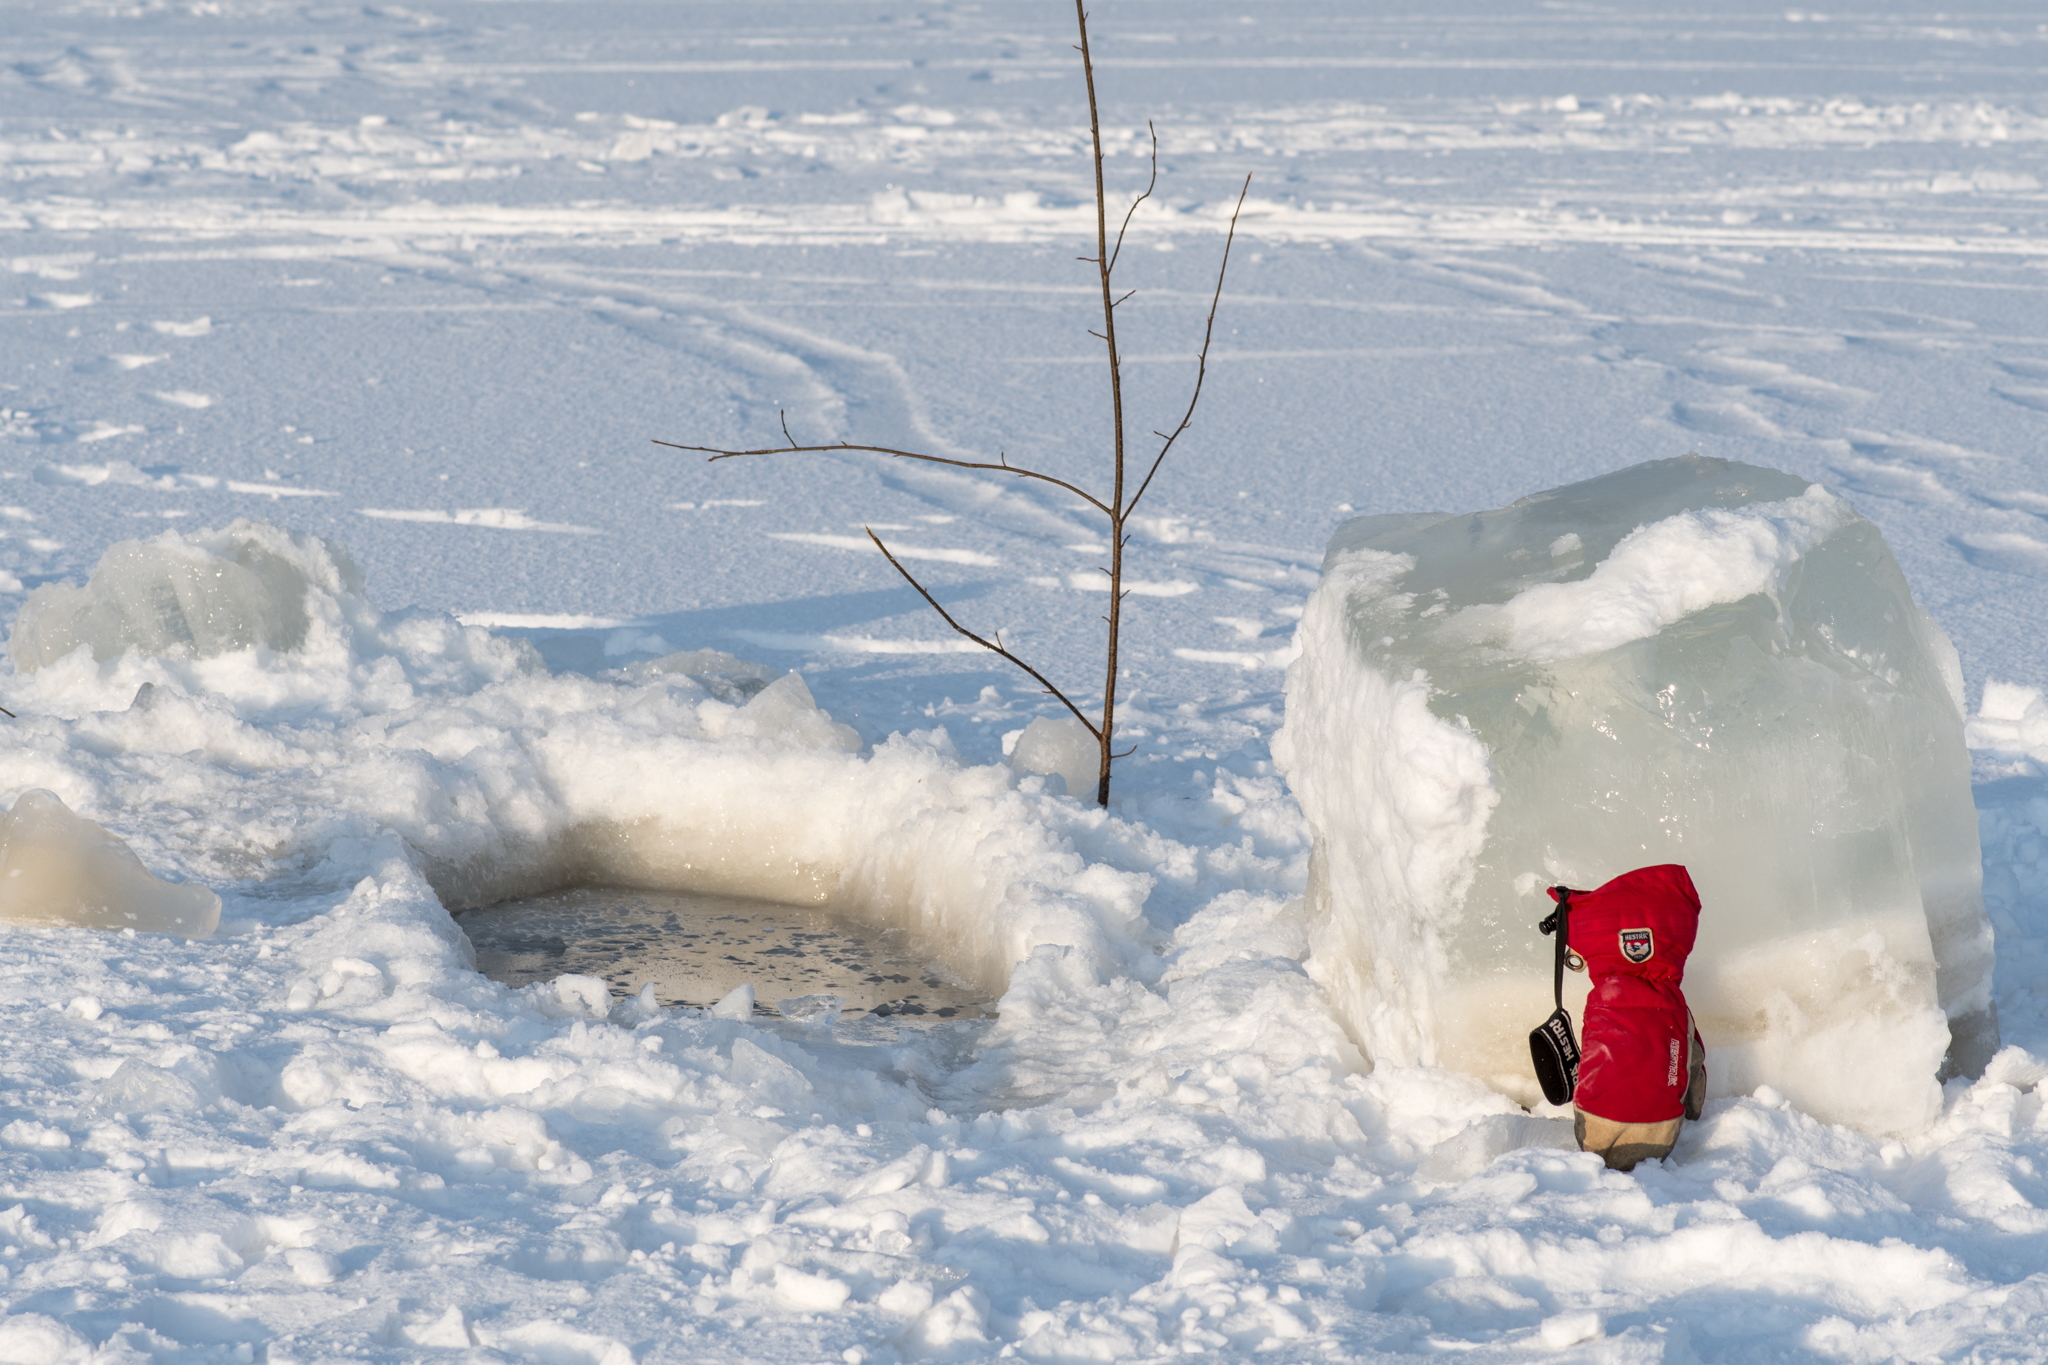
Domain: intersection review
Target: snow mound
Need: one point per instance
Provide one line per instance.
(59, 869)
(1691, 661)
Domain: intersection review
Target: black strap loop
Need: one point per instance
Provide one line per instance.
(1558, 922)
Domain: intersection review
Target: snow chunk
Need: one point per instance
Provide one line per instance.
(32, 1339)
(1060, 746)
(57, 868)
(214, 593)
(1688, 661)
(2010, 720)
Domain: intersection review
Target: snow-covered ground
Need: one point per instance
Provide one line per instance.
(427, 281)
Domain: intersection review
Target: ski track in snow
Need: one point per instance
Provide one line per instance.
(430, 280)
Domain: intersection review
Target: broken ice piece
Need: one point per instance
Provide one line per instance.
(737, 1003)
(214, 592)
(815, 1011)
(1689, 661)
(726, 676)
(59, 869)
(1060, 746)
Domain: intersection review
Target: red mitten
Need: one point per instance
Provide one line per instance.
(1642, 1069)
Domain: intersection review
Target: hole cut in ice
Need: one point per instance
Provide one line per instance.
(697, 949)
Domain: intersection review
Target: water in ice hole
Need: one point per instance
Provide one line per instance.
(698, 948)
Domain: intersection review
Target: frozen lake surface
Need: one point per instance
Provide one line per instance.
(427, 280)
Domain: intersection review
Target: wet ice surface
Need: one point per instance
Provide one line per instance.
(697, 949)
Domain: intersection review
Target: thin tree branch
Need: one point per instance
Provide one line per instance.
(945, 616)
(1005, 467)
(1117, 510)
(1141, 198)
(1202, 361)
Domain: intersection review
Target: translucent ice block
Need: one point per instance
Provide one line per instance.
(60, 869)
(1690, 661)
(213, 593)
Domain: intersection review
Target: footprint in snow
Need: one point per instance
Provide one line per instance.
(2005, 552)
(2018, 500)
(1774, 380)
(2027, 396)
(1912, 322)
(1723, 293)
(1881, 445)
(1724, 419)
(1886, 480)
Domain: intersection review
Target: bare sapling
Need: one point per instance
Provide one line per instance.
(1117, 507)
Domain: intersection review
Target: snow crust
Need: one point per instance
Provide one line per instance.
(1689, 661)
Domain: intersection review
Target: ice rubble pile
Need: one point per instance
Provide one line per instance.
(246, 664)
(60, 869)
(1689, 661)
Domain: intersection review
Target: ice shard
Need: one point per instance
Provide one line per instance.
(63, 870)
(1691, 661)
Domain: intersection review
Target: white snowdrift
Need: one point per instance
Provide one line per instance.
(1689, 661)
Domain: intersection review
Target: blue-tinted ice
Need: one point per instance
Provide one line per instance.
(1688, 661)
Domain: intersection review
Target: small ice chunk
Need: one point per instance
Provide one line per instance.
(1060, 746)
(312, 1268)
(784, 710)
(1733, 675)
(1569, 1329)
(572, 995)
(59, 869)
(139, 1088)
(737, 1004)
(725, 676)
(634, 641)
(807, 1293)
(212, 593)
(815, 1011)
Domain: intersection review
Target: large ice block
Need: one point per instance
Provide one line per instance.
(1691, 661)
(211, 593)
(61, 869)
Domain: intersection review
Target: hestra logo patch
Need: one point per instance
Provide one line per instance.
(1637, 945)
